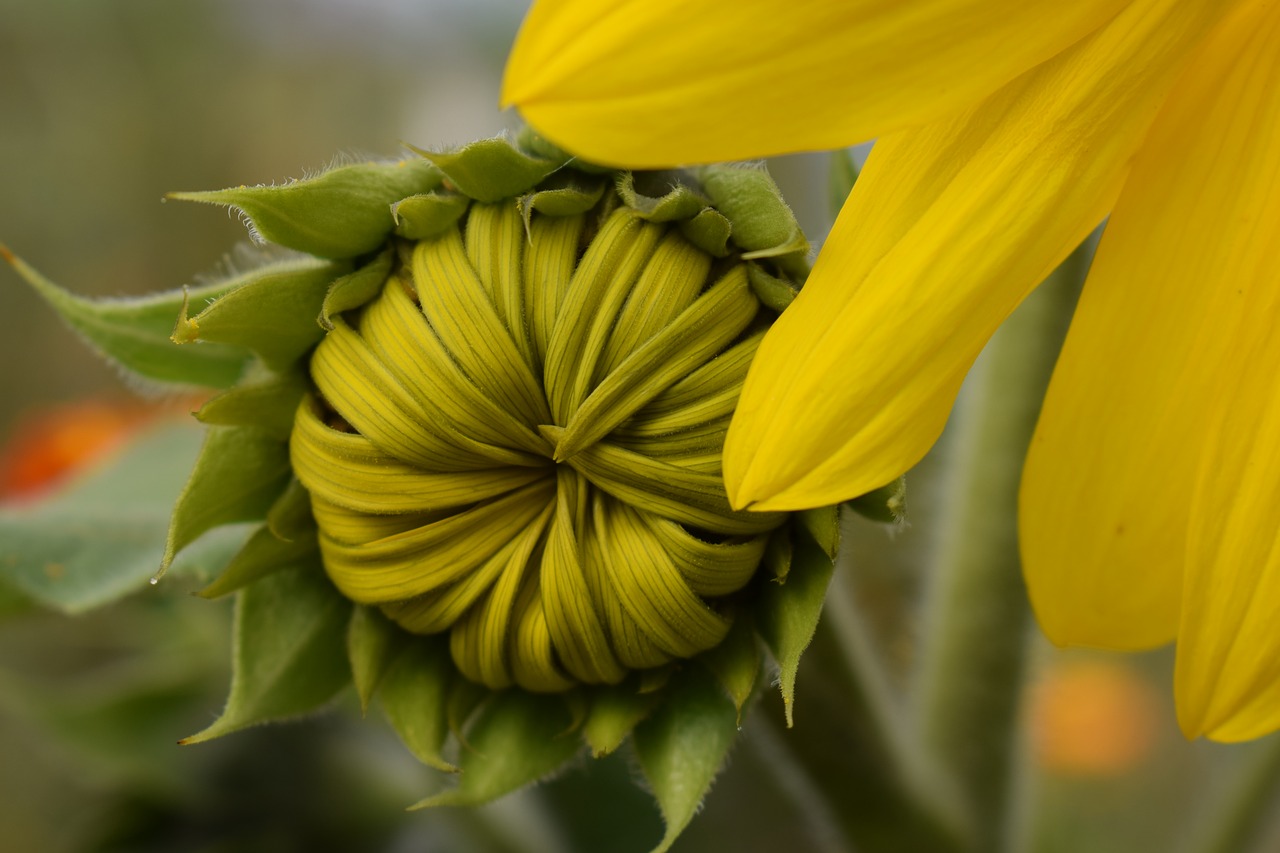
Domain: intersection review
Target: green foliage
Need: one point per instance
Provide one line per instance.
(682, 747)
(102, 537)
(289, 657)
(341, 213)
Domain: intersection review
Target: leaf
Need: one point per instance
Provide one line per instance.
(682, 747)
(736, 662)
(274, 313)
(517, 738)
(262, 555)
(615, 711)
(414, 696)
(356, 288)
(373, 642)
(787, 614)
(268, 403)
(289, 651)
(341, 213)
(102, 537)
(491, 169)
(134, 332)
(240, 473)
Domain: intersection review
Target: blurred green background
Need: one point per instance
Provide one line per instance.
(106, 105)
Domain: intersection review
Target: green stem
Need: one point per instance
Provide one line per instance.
(976, 615)
(1235, 817)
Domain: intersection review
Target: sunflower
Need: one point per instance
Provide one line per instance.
(1150, 504)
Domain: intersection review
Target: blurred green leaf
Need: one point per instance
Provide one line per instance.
(787, 613)
(340, 213)
(134, 332)
(682, 747)
(103, 537)
(517, 738)
(289, 651)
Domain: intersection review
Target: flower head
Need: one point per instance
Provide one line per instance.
(1008, 131)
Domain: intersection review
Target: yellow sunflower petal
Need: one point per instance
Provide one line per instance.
(660, 82)
(949, 227)
(1106, 490)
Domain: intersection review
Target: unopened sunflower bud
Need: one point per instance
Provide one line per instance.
(493, 410)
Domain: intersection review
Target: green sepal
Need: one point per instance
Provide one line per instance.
(842, 174)
(823, 524)
(736, 662)
(134, 332)
(710, 231)
(373, 642)
(683, 745)
(269, 404)
(96, 540)
(356, 288)
(290, 516)
(264, 554)
(787, 614)
(491, 170)
(288, 656)
(615, 711)
(763, 225)
(777, 553)
(676, 201)
(238, 476)
(517, 738)
(273, 313)
(773, 292)
(340, 213)
(887, 504)
(569, 197)
(421, 217)
(413, 695)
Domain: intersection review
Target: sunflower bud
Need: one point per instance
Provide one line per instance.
(487, 405)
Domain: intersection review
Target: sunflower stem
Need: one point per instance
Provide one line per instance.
(976, 617)
(1234, 818)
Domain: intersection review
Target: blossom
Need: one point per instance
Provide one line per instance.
(1007, 132)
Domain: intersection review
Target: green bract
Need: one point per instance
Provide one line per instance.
(478, 423)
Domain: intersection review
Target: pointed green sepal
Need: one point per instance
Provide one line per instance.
(288, 651)
(682, 747)
(842, 174)
(517, 738)
(340, 213)
(787, 614)
(268, 404)
(710, 231)
(134, 332)
(763, 225)
(615, 711)
(659, 201)
(491, 170)
(887, 504)
(414, 696)
(263, 554)
(273, 313)
(736, 662)
(373, 643)
(238, 476)
(356, 288)
(775, 293)
(421, 217)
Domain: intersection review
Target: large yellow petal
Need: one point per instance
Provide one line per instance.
(646, 83)
(1106, 490)
(1228, 669)
(948, 228)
